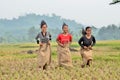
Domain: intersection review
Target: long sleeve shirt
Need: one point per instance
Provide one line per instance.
(84, 41)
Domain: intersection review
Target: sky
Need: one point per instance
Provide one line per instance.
(88, 12)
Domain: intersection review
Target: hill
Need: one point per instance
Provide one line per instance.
(18, 29)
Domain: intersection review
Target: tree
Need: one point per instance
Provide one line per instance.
(32, 32)
(111, 32)
(115, 1)
(1, 39)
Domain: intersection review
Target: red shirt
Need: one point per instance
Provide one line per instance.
(64, 38)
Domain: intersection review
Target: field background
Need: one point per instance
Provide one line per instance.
(16, 64)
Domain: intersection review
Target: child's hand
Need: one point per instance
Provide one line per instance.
(41, 44)
(90, 47)
(85, 47)
(48, 42)
(62, 45)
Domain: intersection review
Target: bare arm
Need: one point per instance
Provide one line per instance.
(58, 42)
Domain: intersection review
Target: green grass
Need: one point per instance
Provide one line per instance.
(17, 65)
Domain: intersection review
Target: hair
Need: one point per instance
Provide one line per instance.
(84, 31)
(64, 24)
(87, 27)
(42, 23)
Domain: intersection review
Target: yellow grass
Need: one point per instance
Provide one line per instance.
(16, 65)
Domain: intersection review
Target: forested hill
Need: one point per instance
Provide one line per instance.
(25, 28)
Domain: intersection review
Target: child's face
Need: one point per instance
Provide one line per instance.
(44, 28)
(88, 31)
(65, 29)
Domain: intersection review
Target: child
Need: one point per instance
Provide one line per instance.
(43, 39)
(64, 40)
(86, 42)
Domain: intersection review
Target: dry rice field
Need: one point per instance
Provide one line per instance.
(16, 64)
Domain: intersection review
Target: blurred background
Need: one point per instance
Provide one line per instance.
(20, 19)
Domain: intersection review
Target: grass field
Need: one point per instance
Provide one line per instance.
(15, 64)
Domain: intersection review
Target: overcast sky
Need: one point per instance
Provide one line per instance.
(88, 12)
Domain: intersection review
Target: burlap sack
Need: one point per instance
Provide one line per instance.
(64, 56)
(86, 55)
(44, 55)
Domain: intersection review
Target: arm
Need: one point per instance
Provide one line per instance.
(49, 38)
(80, 42)
(70, 39)
(37, 38)
(94, 41)
(58, 41)
(38, 42)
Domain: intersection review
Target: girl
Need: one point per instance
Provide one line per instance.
(86, 42)
(64, 40)
(43, 39)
